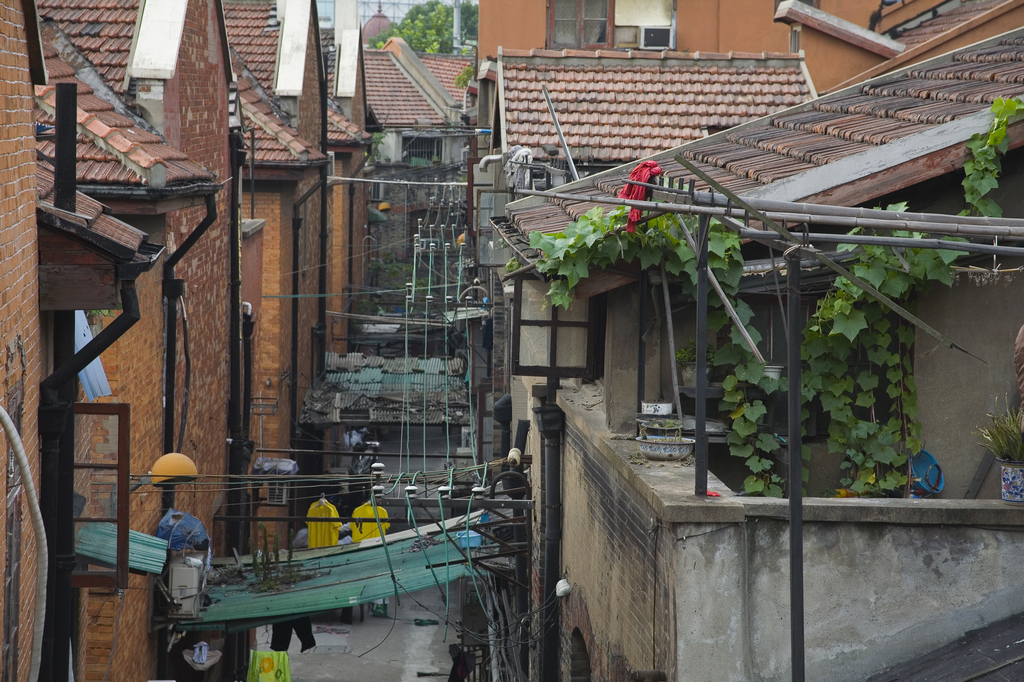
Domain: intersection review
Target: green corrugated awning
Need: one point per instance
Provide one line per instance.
(98, 541)
(345, 577)
(377, 216)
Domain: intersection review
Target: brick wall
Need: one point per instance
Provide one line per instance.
(195, 115)
(22, 352)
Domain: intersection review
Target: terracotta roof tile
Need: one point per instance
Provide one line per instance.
(276, 142)
(820, 133)
(101, 29)
(394, 100)
(252, 35)
(446, 68)
(106, 126)
(88, 214)
(622, 110)
(946, 21)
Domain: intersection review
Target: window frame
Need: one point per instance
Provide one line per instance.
(118, 578)
(580, 45)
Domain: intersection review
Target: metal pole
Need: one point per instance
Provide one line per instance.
(700, 486)
(561, 137)
(796, 511)
(671, 343)
(641, 362)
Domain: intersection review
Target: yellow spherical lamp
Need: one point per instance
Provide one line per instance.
(172, 469)
(384, 207)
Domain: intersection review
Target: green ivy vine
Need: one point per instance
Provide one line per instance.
(981, 171)
(848, 329)
(858, 355)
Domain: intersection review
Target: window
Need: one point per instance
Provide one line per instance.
(419, 150)
(579, 23)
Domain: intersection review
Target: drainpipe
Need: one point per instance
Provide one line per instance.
(294, 374)
(522, 568)
(57, 435)
(236, 449)
(550, 422)
(321, 312)
(173, 290)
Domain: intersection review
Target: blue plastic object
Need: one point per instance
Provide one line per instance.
(469, 539)
(181, 530)
(926, 475)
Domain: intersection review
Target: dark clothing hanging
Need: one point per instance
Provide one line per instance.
(282, 636)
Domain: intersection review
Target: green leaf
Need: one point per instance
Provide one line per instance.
(753, 484)
(729, 383)
(849, 324)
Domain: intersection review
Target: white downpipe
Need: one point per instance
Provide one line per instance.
(37, 525)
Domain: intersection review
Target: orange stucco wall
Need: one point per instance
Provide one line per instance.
(520, 24)
(831, 61)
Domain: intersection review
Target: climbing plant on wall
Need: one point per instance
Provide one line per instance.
(981, 171)
(847, 329)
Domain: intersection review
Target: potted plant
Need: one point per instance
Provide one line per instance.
(686, 356)
(1003, 439)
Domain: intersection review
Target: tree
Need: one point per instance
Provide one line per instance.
(427, 27)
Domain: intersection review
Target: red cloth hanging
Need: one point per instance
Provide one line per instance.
(644, 171)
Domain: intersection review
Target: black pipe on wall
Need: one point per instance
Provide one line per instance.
(236, 450)
(321, 312)
(550, 422)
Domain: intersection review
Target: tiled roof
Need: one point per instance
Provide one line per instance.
(121, 237)
(276, 142)
(389, 390)
(614, 106)
(446, 68)
(114, 151)
(101, 29)
(944, 22)
(340, 129)
(252, 36)
(394, 100)
(766, 157)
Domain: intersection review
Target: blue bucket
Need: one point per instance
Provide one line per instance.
(926, 475)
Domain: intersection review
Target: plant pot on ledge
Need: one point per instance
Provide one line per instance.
(1002, 437)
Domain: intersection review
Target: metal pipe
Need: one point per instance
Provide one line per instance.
(561, 137)
(487, 161)
(57, 436)
(321, 312)
(550, 423)
(293, 388)
(519, 532)
(671, 342)
(895, 242)
(236, 449)
(796, 514)
(773, 205)
(930, 226)
(700, 486)
(66, 153)
(173, 289)
(641, 362)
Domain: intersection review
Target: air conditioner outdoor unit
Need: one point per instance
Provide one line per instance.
(655, 37)
(277, 492)
(185, 582)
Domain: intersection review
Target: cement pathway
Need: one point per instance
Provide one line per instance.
(408, 650)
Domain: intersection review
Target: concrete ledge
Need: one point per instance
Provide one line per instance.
(669, 487)
(893, 511)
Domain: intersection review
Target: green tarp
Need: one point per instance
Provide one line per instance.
(99, 541)
(346, 577)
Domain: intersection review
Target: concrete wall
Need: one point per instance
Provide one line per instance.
(955, 391)
(885, 580)
(521, 25)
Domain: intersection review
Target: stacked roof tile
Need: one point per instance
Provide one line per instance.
(618, 106)
(276, 142)
(392, 97)
(115, 150)
(101, 29)
(253, 31)
(855, 121)
(446, 68)
(945, 21)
